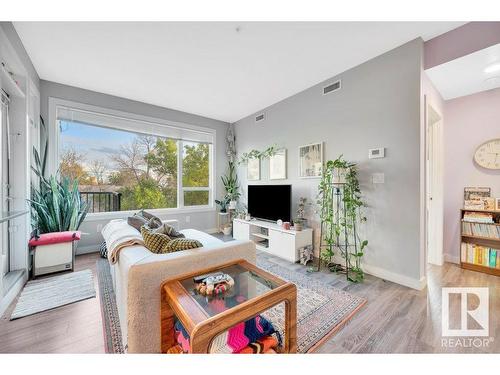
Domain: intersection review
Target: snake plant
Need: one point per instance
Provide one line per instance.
(56, 206)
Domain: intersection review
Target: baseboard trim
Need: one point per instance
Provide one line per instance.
(451, 258)
(409, 282)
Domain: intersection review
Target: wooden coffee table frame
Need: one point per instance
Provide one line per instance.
(202, 329)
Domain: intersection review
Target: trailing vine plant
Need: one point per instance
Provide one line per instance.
(341, 205)
(256, 154)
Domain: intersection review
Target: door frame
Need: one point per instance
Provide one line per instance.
(434, 186)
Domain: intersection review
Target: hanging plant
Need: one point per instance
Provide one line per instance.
(256, 154)
(341, 202)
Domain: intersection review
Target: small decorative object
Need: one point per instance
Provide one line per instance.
(300, 222)
(215, 285)
(226, 230)
(253, 170)
(474, 192)
(277, 165)
(248, 217)
(487, 154)
(497, 204)
(475, 198)
(489, 203)
(279, 222)
(286, 225)
(311, 160)
(306, 254)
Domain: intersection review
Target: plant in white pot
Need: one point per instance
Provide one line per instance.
(230, 182)
(56, 207)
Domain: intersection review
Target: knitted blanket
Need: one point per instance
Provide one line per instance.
(256, 335)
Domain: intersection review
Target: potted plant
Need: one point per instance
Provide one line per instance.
(230, 182)
(223, 203)
(56, 205)
(300, 221)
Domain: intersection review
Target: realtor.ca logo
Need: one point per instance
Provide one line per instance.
(465, 316)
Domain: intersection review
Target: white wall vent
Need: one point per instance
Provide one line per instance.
(331, 87)
(260, 117)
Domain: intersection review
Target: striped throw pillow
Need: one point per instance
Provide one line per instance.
(179, 244)
(155, 242)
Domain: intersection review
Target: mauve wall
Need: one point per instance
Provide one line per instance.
(468, 122)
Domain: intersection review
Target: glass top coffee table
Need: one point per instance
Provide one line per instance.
(254, 292)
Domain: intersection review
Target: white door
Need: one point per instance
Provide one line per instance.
(434, 188)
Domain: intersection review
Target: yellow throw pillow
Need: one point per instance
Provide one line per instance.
(155, 242)
(179, 244)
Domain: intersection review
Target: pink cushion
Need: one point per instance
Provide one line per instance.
(55, 237)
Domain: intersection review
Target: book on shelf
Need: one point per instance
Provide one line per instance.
(481, 230)
(478, 217)
(480, 255)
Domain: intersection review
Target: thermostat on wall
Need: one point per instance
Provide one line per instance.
(375, 153)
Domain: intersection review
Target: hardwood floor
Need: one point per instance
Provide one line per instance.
(75, 328)
(395, 319)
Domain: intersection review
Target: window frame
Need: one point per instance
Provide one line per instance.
(54, 155)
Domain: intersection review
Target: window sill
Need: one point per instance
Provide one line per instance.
(160, 212)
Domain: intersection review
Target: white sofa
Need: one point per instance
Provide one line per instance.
(138, 274)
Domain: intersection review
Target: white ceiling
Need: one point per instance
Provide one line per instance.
(225, 71)
(466, 75)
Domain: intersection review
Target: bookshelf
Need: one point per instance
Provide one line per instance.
(478, 239)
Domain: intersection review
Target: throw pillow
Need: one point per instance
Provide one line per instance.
(155, 223)
(136, 221)
(103, 250)
(179, 244)
(169, 231)
(154, 242)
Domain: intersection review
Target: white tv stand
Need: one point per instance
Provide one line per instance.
(272, 238)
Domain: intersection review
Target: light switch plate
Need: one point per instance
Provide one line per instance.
(378, 178)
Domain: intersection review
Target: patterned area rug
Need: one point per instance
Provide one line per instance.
(55, 291)
(109, 311)
(321, 309)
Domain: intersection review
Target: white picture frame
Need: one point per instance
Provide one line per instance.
(253, 170)
(311, 160)
(277, 165)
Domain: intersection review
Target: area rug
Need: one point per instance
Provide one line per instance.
(49, 293)
(109, 310)
(321, 309)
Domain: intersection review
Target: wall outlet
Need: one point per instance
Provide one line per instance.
(378, 178)
(188, 219)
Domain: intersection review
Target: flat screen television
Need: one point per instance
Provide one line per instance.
(270, 202)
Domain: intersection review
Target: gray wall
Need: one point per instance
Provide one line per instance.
(198, 220)
(378, 106)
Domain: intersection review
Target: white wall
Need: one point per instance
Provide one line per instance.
(378, 106)
(205, 220)
(469, 121)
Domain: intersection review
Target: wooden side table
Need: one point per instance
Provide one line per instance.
(256, 291)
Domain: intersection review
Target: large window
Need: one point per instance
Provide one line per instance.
(121, 170)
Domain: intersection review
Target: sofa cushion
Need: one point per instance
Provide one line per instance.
(179, 244)
(154, 242)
